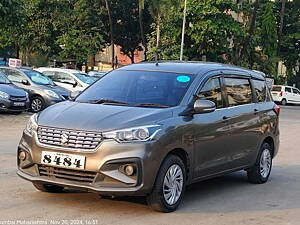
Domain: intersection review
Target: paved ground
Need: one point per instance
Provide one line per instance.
(226, 200)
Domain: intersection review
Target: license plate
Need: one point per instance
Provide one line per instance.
(19, 103)
(63, 160)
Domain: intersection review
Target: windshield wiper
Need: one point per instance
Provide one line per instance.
(152, 105)
(103, 101)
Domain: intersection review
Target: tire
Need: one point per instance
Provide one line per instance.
(37, 104)
(159, 201)
(48, 188)
(283, 102)
(261, 171)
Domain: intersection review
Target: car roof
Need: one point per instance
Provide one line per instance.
(58, 69)
(189, 67)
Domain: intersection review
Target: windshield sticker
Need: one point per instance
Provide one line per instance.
(183, 79)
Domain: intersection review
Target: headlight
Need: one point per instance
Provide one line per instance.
(4, 95)
(135, 134)
(31, 125)
(52, 94)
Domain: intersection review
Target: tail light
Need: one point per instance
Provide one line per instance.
(281, 94)
(276, 109)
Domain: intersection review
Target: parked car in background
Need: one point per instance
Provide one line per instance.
(12, 98)
(150, 129)
(285, 94)
(97, 74)
(73, 80)
(41, 89)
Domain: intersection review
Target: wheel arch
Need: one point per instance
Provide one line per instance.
(270, 141)
(183, 155)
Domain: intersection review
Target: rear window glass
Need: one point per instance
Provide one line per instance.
(238, 91)
(260, 90)
(287, 89)
(278, 88)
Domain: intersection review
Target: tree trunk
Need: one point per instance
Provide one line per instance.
(158, 32)
(111, 33)
(250, 31)
(281, 23)
(144, 42)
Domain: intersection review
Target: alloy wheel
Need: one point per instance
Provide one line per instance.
(36, 105)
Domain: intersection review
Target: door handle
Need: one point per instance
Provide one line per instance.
(256, 110)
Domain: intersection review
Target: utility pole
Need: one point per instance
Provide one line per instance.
(183, 30)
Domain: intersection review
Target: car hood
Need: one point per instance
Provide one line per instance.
(12, 90)
(96, 117)
(56, 89)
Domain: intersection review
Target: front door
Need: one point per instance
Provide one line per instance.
(211, 132)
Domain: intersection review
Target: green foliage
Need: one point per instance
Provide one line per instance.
(269, 30)
(86, 33)
(11, 13)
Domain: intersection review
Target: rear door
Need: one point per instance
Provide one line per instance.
(243, 118)
(288, 95)
(296, 96)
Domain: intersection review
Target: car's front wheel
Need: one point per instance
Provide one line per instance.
(261, 171)
(37, 104)
(48, 188)
(169, 186)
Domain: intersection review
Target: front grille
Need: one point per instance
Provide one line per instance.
(18, 99)
(69, 138)
(67, 174)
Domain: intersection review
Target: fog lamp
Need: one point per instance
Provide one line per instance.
(129, 170)
(22, 156)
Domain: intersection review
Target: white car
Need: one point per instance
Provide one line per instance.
(72, 80)
(285, 94)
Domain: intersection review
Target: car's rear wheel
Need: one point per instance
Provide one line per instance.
(169, 186)
(261, 171)
(48, 188)
(37, 104)
(283, 102)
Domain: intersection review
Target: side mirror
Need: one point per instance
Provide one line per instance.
(74, 94)
(204, 106)
(75, 84)
(25, 82)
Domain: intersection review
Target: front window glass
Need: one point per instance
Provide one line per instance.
(238, 91)
(296, 91)
(3, 79)
(212, 91)
(260, 90)
(84, 78)
(140, 88)
(38, 78)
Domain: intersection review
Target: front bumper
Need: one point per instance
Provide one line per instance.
(7, 105)
(103, 165)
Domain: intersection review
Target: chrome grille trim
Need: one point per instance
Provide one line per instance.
(67, 174)
(18, 99)
(76, 140)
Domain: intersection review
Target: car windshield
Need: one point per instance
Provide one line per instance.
(3, 79)
(84, 78)
(138, 88)
(278, 88)
(38, 78)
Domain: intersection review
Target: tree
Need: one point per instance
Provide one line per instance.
(87, 34)
(11, 12)
(126, 22)
(290, 44)
(141, 24)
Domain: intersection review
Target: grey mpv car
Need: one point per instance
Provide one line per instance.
(151, 129)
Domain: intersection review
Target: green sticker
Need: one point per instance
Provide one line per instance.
(183, 78)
